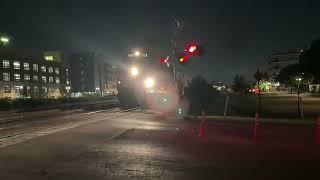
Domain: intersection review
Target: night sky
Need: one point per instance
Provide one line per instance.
(238, 35)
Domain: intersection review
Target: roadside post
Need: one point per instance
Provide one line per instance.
(226, 107)
(255, 128)
(202, 124)
(318, 130)
(301, 108)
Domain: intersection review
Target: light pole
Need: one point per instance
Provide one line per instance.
(178, 26)
(299, 80)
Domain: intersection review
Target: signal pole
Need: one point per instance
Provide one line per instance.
(178, 25)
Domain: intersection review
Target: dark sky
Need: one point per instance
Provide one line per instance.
(237, 34)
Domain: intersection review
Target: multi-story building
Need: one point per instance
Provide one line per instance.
(63, 59)
(25, 74)
(112, 80)
(87, 73)
(279, 60)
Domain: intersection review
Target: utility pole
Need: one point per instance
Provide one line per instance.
(178, 25)
(100, 83)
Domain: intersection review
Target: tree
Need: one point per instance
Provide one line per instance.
(309, 60)
(239, 84)
(258, 76)
(265, 76)
(200, 94)
(288, 75)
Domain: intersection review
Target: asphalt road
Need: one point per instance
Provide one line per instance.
(115, 144)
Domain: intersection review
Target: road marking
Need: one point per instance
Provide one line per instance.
(9, 118)
(93, 112)
(121, 133)
(10, 127)
(24, 136)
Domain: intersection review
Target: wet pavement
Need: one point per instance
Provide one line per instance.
(139, 145)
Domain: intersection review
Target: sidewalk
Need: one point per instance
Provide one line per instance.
(306, 121)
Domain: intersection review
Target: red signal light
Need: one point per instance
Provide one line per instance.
(192, 49)
(183, 59)
(164, 59)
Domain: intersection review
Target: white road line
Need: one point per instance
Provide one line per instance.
(9, 118)
(24, 136)
(11, 127)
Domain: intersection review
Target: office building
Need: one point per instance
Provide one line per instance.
(26, 74)
(279, 60)
(87, 73)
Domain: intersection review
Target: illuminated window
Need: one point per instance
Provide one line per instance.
(16, 64)
(35, 67)
(16, 77)
(28, 90)
(50, 69)
(44, 79)
(6, 76)
(43, 69)
(35, 89)
(6, 64)
(51, 89)
(48, 58)
(26, 66)
(27, 77)
(18, 89)
(68, 82)
(58, 80)
(56, 70)
(7, 89)
(44, 89)
(50, 79)
(35, 78)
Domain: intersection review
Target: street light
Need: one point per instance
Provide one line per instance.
(5, 40)
(134, 71)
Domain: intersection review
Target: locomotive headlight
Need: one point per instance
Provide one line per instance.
(134, 71)
(149, 83)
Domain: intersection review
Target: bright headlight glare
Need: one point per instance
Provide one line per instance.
(134, 71)
(149, 83)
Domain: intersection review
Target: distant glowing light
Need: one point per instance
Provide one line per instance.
(137, 53)
(134, 71)
(149, 83)
(192, 49)
(48, 58)
(165, 100)
(5, 39)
